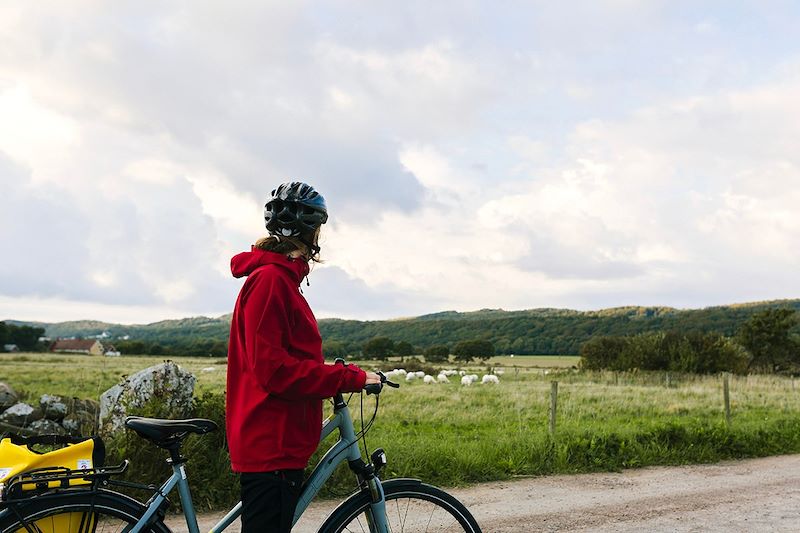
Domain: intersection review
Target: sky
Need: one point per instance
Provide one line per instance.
(472, 154)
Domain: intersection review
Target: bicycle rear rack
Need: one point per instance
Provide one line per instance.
(35, 482)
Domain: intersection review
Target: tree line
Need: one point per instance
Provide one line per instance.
(765, 343)
(25, 337)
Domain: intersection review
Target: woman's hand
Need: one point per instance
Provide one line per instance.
(372, 378)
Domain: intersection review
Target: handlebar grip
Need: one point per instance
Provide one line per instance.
(373, 388)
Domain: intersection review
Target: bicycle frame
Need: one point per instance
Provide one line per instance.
(345, 449)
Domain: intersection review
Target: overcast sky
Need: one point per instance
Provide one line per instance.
(472, 154)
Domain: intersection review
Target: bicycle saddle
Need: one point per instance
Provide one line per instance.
(166, 432)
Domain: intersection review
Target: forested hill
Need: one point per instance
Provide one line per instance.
(536, 331)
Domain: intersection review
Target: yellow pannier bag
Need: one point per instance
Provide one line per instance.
(77, 454)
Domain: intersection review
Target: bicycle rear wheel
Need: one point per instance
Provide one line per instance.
(76, 512)
(411, 506)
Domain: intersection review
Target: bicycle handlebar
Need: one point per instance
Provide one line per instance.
(372, 388)
(375, 388)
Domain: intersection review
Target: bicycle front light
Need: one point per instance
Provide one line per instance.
(378, 459)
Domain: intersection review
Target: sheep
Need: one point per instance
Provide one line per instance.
(473, 377)
(400, 371)
(208, 369)
(442, 378)
(466, 381)
(449, 373)
(499, 372)
(488, 378)
(420, 374)
(462, 372)
(428, 379)
(411, 376)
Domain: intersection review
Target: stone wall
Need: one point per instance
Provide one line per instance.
(50, 415)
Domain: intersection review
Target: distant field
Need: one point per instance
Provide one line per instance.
(34, 374)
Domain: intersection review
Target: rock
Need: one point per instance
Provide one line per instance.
(169, 385)
(80, 423)
(53, 407)
(20, 414)
(7, 396)
(46, 427)
(76, 405)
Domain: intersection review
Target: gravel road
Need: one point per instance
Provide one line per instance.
(752, 495)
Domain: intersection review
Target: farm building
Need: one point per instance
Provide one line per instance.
(10, 348)
(87, 346)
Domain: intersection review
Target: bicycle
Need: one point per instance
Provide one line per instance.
(396, 505)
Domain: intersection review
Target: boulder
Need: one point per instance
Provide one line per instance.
(7, 396)
(20, 414)
(46, 427)
(53, 407)
(80, 423)
(170, 388)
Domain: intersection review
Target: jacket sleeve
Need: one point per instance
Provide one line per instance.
(267, 326)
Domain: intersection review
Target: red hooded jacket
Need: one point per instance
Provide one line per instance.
(277, 377)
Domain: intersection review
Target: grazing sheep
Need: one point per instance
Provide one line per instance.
(462, 373)
(499, 372)
(473, 377)
(466, 381)
(401, 371)
(428, 379)
(208, 369)
(488, 378)
(442, 378)
(449, 373)
(411, 376)
(420, 374)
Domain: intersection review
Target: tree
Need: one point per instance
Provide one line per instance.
(403, 349)
(378, 347)
(766, 336)
(438, 353)
(3, 333)
(26, 337)
(475, 349)
(332, 349)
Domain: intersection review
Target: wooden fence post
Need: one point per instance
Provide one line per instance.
(553, 405)
(726, 395)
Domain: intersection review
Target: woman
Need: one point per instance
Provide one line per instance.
(277, 377)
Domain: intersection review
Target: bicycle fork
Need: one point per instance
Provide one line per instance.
(368, 479)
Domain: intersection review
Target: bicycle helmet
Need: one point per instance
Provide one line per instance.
(294, 209)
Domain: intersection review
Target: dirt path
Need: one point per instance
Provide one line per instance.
(753, 495)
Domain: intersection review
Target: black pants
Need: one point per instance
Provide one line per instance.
(269, 500)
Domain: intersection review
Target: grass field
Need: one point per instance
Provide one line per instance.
(450, 434)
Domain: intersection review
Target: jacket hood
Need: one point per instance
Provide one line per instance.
(245, 263)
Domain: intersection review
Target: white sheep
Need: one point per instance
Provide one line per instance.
(420, 374)
(499, 372)
(462, 372)
(488, 378)
(449, 373)
(442, 378)
(473, 377)
(400, 371)
(466, 381)
(208, 369)
(428, 379)
(411, 376)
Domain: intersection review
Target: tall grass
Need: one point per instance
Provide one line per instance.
(453, 435)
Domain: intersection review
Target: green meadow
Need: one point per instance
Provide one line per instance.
(449, 434)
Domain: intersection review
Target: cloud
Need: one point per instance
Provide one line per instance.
(472, 155)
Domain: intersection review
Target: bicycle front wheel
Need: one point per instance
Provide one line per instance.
(411, 506)
(77, 512)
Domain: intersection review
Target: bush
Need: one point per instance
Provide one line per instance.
(700, 353)
(438, 353)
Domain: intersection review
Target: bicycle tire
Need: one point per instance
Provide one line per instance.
(74, 512)
(411, 506)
